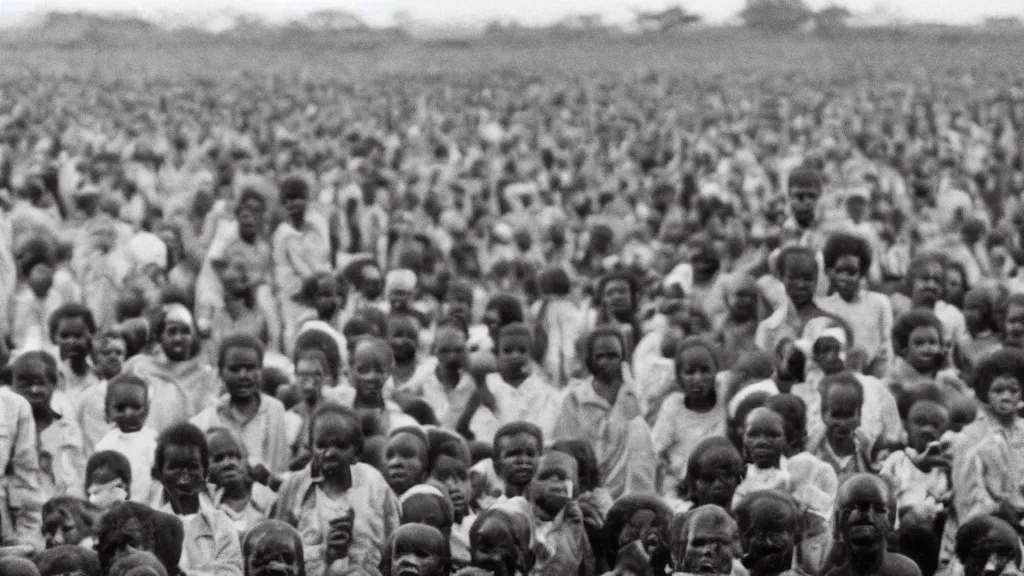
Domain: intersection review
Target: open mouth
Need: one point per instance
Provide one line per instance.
(408, 571)
(863, 535)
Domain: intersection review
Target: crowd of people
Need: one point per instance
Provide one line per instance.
(512, 324)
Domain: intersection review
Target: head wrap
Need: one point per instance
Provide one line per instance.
(176, 312)
(401, 279)
(146, 248)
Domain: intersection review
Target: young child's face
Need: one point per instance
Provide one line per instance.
(450, 349)
(235, 275)
(556, 482)
(73, 338)
(841, 413)
(743, 305)
(804, 202)
(36, 382)
(764, 438)
(927, 285)
(492, 549)
(334, 444)
(607, 357)
(800, 277)
(718, 476)
(40, 279)
(617, 297)
(183, 471)
(517, 458)
(1004, 396)
(1013, 327)
(926, 423)
(400, 300)
(419, 551)
(828, 354)
(295, 205)
(514, 356)
(227, 461)
(128, 407)
(176, 341)
(954, 285)
(845, 276)
(242, 372)
(370, 370)
(60, 528)
(924, 348)
(405, 457)
(108, 356)
(645, 527)
(697, 373)
(977, 311)
(404, 339)
(771, 536)
(310, 376)
(453, 474)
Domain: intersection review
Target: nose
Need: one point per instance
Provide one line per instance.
(58, 537)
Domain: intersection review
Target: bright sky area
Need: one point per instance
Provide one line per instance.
(530, 12)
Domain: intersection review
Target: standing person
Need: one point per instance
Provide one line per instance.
(21, 501)
(606, 410)
(301, 248)
(181, 383)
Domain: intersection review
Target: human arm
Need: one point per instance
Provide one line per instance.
(21, 479)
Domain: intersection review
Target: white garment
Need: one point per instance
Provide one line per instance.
(140, 450)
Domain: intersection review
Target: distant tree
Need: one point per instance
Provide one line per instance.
(831, 20)
(668, 19)
(776, 16)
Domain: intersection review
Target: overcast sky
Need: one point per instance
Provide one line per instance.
(380, 12)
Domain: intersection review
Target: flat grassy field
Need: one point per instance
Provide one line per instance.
(702, 53)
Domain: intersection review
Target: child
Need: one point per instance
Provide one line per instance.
(560, 543)
(127, 407)
(869, 314)
(181, 465)
(691, 413)
(450, 387)
(987, 472)
(406, 458)
(925, 288)
(252, 416)
(798, 270)
(71, 329)
(108, 479)
(372, 366)
(449, 467)
(68, 521)
(517, 445)
(521, 392)
(920, 475)
(323, 297)
(239, 310)
(421, 550)
(108, 355)
(245, 501)
(841, 445)
(301, 248)
(736, 336)
(638, 520)
(1013, 321)
(343, 508)
(982, 326)
(59, 439)
(403, 336)
(38, 297)
(180, 381)
(917, 340)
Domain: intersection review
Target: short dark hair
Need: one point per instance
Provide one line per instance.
(124, 379)
(294, 186)
(242, 340)
(49, 363)
(182, 434)
(742, 511)
(1005, 362)
(513, 329)
(115, 461)
(604, 330)
(586, 462)
(322, 343)
(70, 311)
(443, 442)
(906, 324)
(844, 379)
(918, 264)
(805, 178)
(623, 274)
(793, 410)
(347, 413)
(705, 447)
(514, 429)
(845, 244)
(790, 251)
